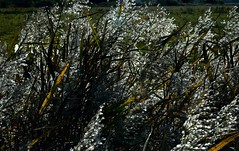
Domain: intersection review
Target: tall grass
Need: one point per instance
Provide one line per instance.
(133, 80)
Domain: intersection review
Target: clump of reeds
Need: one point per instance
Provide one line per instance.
(131, 80)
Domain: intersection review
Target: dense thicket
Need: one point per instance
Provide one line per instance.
(132, 80)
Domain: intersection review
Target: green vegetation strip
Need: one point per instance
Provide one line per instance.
(12, 19)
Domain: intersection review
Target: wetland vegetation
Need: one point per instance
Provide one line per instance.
(75, 77)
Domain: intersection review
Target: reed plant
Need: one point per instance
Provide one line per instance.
(133, 80)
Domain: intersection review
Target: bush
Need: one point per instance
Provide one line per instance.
(132, 80)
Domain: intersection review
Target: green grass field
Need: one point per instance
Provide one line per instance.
(12, 19)
(191, 14)
(11, 22)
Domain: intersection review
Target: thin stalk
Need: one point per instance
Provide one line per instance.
(147, 140)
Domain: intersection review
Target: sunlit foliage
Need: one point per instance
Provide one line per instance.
(132, 80)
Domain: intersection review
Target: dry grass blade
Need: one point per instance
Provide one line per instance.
(49, 96)
(193, 87)
(142, 19)
(93, 31)
(196, 44)
(38, 139)
(208, 66)
(128, 101)
(224, 142)
(121, 8)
